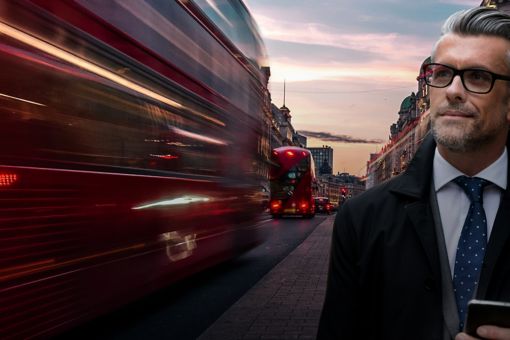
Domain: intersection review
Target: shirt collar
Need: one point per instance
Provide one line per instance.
(496, 173)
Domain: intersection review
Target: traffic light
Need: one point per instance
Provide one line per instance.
(343, 191)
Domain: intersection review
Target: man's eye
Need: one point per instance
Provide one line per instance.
(479, 76)
(442, 74)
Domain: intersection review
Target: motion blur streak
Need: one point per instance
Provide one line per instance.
(53, 264)
(197, 136)
(169, 31)
(130, 157)
(175, 201)
(218, 12)
(20, 99)
(50, 49)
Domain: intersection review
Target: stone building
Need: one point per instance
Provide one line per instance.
(340, 187)
(299, 140)
(405, 136)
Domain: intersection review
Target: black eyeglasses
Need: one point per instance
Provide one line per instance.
(474, 80)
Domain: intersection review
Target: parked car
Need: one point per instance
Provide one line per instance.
(323, 205)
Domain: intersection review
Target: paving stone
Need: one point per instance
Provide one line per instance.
(286, 303)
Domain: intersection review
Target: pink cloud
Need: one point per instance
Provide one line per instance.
(387, 72)
(390, 45)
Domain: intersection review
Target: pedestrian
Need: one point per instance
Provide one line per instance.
(408, 254)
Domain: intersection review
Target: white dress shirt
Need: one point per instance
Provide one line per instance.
(454, 203)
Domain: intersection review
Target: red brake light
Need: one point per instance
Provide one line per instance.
(7, 179)
(275, 204)
(290, 153)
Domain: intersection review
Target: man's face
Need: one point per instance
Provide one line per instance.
(462, 120)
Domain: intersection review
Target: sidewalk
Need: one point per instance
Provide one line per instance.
(286, 303)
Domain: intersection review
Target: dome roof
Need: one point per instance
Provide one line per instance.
(407, 103)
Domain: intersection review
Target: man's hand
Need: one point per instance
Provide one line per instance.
(487, 332)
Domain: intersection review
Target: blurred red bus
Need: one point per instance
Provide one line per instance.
(293, 182)
(129, 134)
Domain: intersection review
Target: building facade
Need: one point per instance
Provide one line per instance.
(299, 140)
(340, 187)
(323, 158)
(406, 135)
(264, 144)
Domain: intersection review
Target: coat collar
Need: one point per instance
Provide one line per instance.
(415, 181)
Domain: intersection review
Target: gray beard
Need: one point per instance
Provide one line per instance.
(453, 143)
(466, 143)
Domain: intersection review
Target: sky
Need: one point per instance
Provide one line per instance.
(348, 65)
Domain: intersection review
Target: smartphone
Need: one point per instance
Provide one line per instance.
(484, 312)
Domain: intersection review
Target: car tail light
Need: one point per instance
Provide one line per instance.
(276, 205)
(304, 205)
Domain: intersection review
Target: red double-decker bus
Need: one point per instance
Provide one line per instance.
(293, 182)
(129, 131)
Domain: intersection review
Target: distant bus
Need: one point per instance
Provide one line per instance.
(292, 181)
(129, 135)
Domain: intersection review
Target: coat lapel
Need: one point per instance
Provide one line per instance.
(420, 215)
(414, 188)
(499, 237)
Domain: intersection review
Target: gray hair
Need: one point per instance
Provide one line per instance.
(477, 21)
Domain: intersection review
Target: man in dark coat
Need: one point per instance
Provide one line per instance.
(399, 263)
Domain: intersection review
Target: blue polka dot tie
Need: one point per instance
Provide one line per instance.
(471, 247)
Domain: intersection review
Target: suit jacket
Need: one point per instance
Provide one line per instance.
(384, 277)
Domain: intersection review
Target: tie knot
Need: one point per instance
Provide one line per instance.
(472, 186)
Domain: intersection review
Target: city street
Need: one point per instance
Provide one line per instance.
(173, 169)
(186, 309)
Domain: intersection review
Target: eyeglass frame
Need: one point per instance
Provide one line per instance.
(460, 73)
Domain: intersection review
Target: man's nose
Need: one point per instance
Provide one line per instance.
(456, 91)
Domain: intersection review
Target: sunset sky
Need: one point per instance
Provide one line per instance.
(348, 65)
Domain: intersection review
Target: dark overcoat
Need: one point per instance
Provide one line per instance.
(384, 278)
